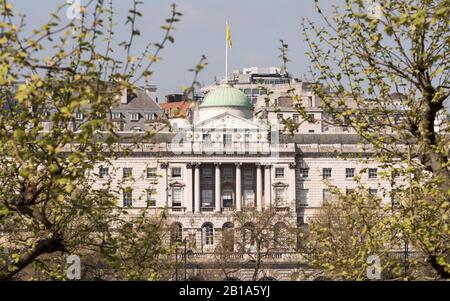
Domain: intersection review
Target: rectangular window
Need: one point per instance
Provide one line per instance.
(295, 118)
(227, 199)
(227, 174)
(116, 115)
(127, 198)
(247, 136)
(177, 197)
(279, 195)
(326, 196)
(326, 173)
(207, 198)
(151, 198)
(176, 172)
(373, 173)
(373, 191)
(311, 118)
(279, 172)
(349, 173)
(207, 179)
(134, 116)
(227, 138)
(394, 198)
(150, 116)
(249, 197)
(151, 172)
(304, 172)
(279, 116)
(79, 116)
(127, 172)
(103, 172)
(249, 176)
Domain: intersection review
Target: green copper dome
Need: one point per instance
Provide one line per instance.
(226, 96)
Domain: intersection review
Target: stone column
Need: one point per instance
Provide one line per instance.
(164, 186)
(238, 187)
(267, 184)
(189, 187)
(197, 188)
(218, 188)
(258, 187)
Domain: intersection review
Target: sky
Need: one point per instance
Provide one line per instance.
(256, 28)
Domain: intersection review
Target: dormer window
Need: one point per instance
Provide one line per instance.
(116, 115)
(79, 116)
(134, 116)
(150, 116)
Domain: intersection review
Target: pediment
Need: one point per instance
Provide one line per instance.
(280, 184)
(228, 121)
(177, 184)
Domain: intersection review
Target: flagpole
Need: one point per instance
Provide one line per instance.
(226, 55)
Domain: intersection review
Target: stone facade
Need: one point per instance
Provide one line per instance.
(226, 162)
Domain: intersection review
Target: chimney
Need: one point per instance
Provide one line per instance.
(124, 97)
(150, 90)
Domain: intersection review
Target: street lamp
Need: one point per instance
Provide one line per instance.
(185, 259)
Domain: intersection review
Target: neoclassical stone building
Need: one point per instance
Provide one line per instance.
(226, 160)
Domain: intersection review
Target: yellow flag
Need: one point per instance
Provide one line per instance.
(229, 35)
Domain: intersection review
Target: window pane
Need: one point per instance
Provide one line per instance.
(227, 198)
(279, 195)
(227, 173)
(207, 232)
(151, 172)
(349, 172)
(176, 172)
(103, 172)
(326, 195)
(177, 197)
(151, 198)
(326, 173)
(127, 198)
(279, 172)
(304, 172)
(127, 172)
(207, 198)
(227, 138)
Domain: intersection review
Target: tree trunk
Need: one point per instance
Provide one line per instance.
(47, 245)
(438, 267)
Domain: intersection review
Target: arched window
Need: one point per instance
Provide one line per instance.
(207, 234)
(280, 235)
(176, 233)
(228, 236)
